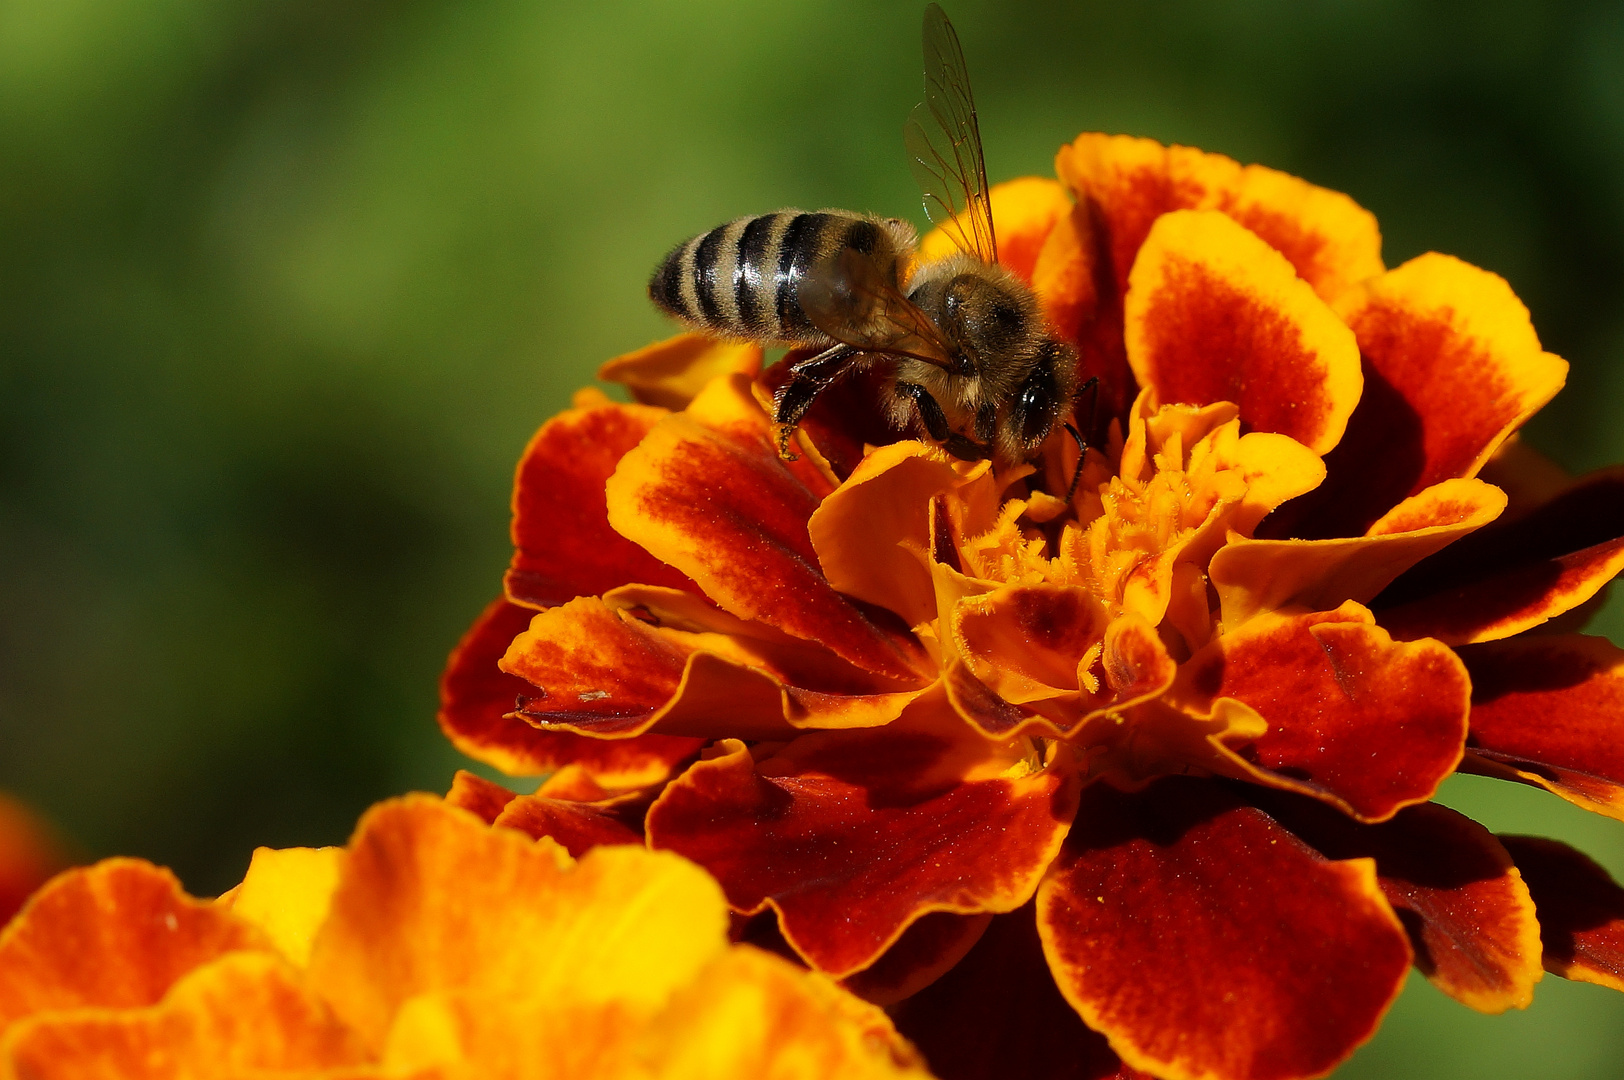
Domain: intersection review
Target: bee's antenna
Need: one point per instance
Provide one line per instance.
(1092, 389)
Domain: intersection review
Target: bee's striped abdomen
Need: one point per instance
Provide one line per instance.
(741, 278)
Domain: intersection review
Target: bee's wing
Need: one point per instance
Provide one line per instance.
(944, 144)
(856, 304)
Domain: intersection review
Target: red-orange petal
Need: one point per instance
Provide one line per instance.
(707, 493)
(242, 1015)
(1516, 573)
(577, 826)
(1549, 711)
(860, 834)
(116, 935)
(1581, 910)
(481, 797)
(1215, 314)
(477, 699)
(1455, 889)
(30, 853)
(670, 373)
(563, 544)
(1452, 368)
(1205, 940)
(926, 951)
(998, 1014)
(1355, 718)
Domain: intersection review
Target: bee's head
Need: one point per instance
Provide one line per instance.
(1041, 401)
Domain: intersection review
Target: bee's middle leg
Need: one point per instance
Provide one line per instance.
(935, 421)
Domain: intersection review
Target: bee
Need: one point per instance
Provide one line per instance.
(961, 343)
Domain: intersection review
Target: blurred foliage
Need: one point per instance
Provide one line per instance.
(284, 287)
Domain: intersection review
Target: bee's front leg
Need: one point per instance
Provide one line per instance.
(935, 421)
(808, 379)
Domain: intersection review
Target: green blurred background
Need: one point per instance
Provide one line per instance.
(284, 287)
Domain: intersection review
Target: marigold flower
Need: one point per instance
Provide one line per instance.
(1156, 759)
(432, 947)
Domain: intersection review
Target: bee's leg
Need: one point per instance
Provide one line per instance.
(808, 378)
(935, 421)
(1092, 389)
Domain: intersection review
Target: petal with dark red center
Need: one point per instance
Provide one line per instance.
(479, 796)
(1254, 576)
(1024, 211)
(1026, 641)
(236, 1016)
(1083, 300)
(1454, 887)
(852, 836)
(1452, 368)
(1549, 711)
(1516, 573)
(1215, 314)
(923, 954)
(1355, 718)
(1205, 940)
(431, 900)
(477, 699)
(1581, 910)
(114, 935)
(998, 1014)
(671, 373)
(707, 493)
(1127, 183)
(563, 544)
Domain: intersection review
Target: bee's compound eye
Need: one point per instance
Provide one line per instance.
(1036, 405)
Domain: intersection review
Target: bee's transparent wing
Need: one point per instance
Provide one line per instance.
(944, 144)
(856, 304)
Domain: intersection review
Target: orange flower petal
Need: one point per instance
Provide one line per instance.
(1454, 887)
(1549, 711)
(713, 499)
(1127, 183)
(1215, 314)
(563, 544)
(671, 373)
(1452, 368)
(869, 532)
(1581, 910)
(857, 836)
(1024, 211)
(1205, 940)
(1515, 574)
(477, 699)
(115, 935)
(579, 827)
(1254, 576)
(237, 1016)
(1025, 641)
(286, 893)
(998, 1014)
(481, 797)
(924, 953)
(1355, 718)
(29, 854)
(1083, 300)
(431, 900)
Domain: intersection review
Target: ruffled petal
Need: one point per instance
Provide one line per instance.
(478, 699)
(1517, 573)
(1127, 183)
(1205, 940)
(1215, 314)
(669, 374)
(1581, 910)
(927, 950)
(998, 1014)
(431, 901)
(1452, 368)
(286, 893)
(1454, 887)
(851, 838)
(1549, 711)
(1254, 576)
(563, 545)
(114, 935)
(481, 797)
(1355, 718)
(245, 1014)
(707, 493)
(577, 826)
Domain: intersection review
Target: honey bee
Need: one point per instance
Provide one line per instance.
(962, 345)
